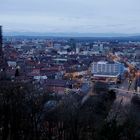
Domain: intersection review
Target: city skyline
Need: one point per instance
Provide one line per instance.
(71, 16)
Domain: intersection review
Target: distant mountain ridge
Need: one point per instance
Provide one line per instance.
(70, 34)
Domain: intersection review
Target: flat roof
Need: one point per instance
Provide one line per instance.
(106, 75)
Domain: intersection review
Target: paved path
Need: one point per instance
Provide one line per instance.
(90, 93)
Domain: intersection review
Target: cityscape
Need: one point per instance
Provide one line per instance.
(69, 82)
(77, 67)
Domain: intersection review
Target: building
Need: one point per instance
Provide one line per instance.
(58, 86)
(108, 71)
(106, 67)
(3, 63)
(1, 52)
(73, 44)
(2, 60)
(78, 46)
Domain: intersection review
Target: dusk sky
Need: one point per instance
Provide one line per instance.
(80, 16)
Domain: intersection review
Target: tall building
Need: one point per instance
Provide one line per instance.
(73, 44)
(3, 63)
(78, 46)
(1, 54)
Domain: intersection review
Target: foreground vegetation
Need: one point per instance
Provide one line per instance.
(28, 113)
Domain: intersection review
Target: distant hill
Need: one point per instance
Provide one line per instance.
(83, 36)
(61, 34)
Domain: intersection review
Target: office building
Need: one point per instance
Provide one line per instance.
(110, 71)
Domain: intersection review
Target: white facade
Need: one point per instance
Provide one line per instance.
(106, 67)
(40, 77)
(12, 63)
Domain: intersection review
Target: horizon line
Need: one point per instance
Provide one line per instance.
(69, 34)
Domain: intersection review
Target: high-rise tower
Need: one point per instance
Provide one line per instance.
(3, 63)
(1, 53)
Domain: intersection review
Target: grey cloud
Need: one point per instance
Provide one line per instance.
(71, 15)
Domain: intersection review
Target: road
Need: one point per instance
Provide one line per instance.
(90, 93)
(124, 93)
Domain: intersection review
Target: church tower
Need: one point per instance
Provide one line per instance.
(1, 53)
(3, 64)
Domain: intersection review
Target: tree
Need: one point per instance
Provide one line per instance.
(100, 87)
(17, 72)
(20, 110)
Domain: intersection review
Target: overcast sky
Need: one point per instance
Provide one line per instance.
(82, 16)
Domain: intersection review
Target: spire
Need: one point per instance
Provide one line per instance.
(1, 54)
(3, 63)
